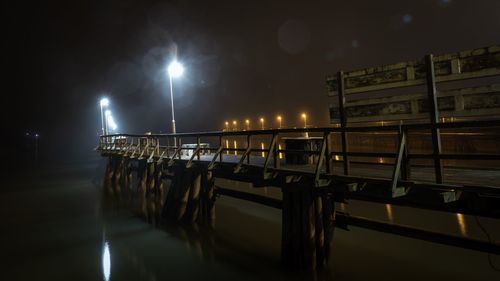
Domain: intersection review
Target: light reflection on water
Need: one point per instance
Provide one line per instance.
(388, 208)
(461, 224)
(226, 243)
(106, 262)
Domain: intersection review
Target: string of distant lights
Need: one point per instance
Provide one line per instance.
(261, 121)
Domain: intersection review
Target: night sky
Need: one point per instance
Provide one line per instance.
(243, 59)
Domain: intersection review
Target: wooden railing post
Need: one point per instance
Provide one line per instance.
(276, 153)
(249, 147)
(342, 118)
(329, 162)
(221, 146)
(434, 117)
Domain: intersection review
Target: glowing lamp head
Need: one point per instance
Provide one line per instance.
(247, 121)
(304, 115)
(262, 120)
(235, 122)
(227, 123)
(104, 102)
(175, 69)
(279, 117)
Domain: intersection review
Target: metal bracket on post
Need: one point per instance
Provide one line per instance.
(124, 149)
(317, 181)
(396, 173)
(272, 146)
(172, 159)
(129, 148)
(150, 159)
(217, 153)
(189, 164)
(143, 151)
(137, 147)
(160, 158)
(237, 169)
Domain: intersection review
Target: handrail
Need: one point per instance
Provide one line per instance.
(423, 126)
(325, 155)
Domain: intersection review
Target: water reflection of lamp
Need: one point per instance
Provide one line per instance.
(388, 208)
(461, 224)
(106, 262)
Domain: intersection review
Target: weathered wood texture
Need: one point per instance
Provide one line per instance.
(465, 102)
(307, 227)
(190, 197)
(449, 67)
(471, 101)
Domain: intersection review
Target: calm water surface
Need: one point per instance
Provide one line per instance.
(57, 225)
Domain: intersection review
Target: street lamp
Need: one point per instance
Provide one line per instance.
(304, 116)
(279, 121)
(104, 102)
(247, 122)
(227, 125)
(174, 70)
(235, 125)
(262, 122)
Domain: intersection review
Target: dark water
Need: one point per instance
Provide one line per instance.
(57, 225)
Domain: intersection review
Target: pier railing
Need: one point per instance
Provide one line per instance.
(168, 147)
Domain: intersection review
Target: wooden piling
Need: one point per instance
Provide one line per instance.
(117, 175)
(159, 183)
(108, 176)
(142, 176)
(190, 197)
(150, 178)
(127, 175)
(193, 204)
(306, 235)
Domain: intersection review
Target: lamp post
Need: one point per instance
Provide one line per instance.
(235, 125)
(104, 102)
(247, 122)
(174, 70)
(262, 122)
(279, 121)
(110, 122)
(227, 125)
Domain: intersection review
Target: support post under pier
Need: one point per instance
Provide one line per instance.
(190, 197)
(306, 228)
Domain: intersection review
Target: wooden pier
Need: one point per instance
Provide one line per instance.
(335, 172)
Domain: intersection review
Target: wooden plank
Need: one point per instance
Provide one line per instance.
(471, 101)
